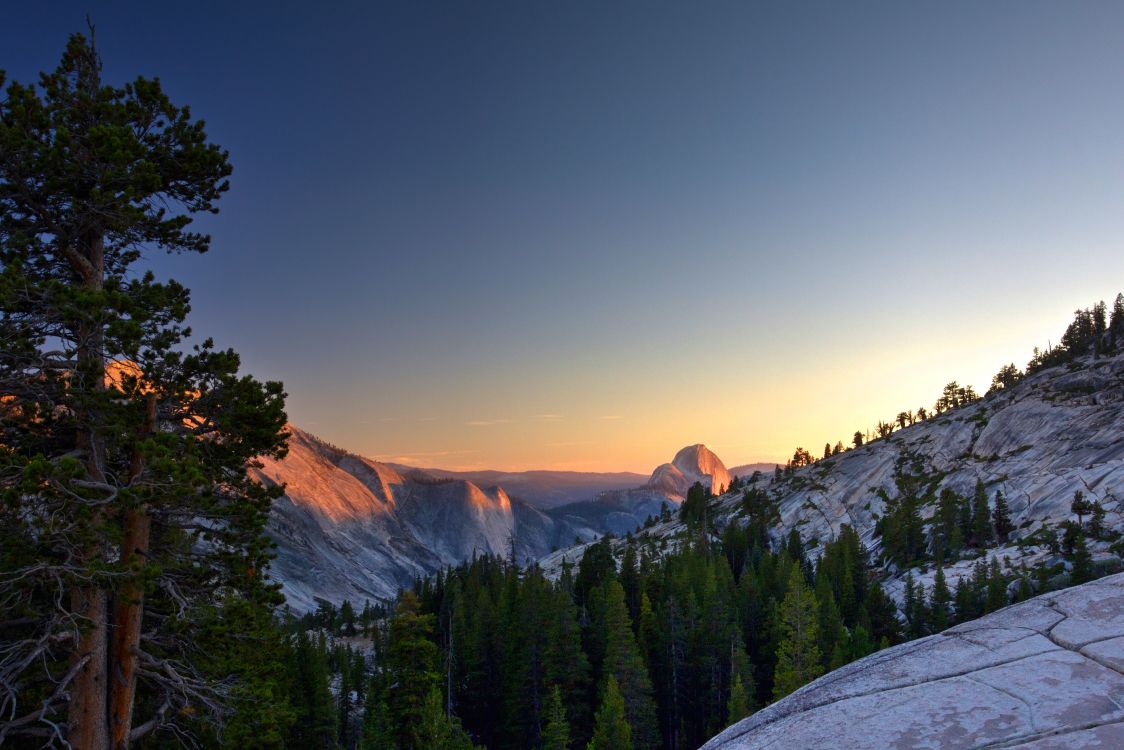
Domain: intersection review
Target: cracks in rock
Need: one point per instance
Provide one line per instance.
(1013, 696)
(802, 709)
(963, 635)
(1079, 650)
(1059, 732)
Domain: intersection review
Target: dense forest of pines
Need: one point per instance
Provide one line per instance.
(646, 648)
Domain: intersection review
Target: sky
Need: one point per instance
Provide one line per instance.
(582, 235)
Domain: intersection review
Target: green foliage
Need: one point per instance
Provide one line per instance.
(1001, 518)
(556, 734)
(410, 663)
(612, 730)
(125, 502)
(315, 722)
(1082, 570)
(798, 656)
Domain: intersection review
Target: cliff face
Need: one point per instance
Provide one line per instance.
(1046, 673)
(351, 528)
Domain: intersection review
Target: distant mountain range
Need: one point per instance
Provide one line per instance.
(542, 489)
(352, 528)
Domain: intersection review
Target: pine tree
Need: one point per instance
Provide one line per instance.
(410, 664)
(996, 587)
(798, 656)
(830, 623)
(315, 725)
(556, 734)
(1082, 569)
(567, 665)
(1001, 517)
(981, 517)
(436, 731)
(1116, 322)
(1096, 519)
(913, 607)
(624, 664)
(123, 475)
(347, 619)
(939, 614)
(737, 708)
(612, 730)
(1079, 507)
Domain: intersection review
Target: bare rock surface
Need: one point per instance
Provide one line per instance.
(1045, 673)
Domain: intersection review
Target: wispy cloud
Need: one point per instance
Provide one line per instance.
(549, 417)
(486, 422)
(612, 416)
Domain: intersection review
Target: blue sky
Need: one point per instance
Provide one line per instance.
(582, 235)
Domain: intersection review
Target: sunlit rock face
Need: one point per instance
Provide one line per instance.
(351, 528)
(695, 463)
(1046, 673)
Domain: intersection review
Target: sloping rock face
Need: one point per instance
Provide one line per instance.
(695, 463)
(1054, 433)
(351, 528)
(1044, 674)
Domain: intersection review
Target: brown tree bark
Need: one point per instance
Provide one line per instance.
(129, 610)
(86, 715)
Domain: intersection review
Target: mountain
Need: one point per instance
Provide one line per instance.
(542, 489)
(745, 471)
(695, 463)
(1045, 673)
(624, 511)
(1056, 432)
(352, 528)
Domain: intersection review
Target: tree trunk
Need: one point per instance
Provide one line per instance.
(86, 715)
(129, 609)
(87, 718)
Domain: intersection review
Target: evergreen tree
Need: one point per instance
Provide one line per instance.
(1116, 322)
(612, 730)
(939, 614)
(1082, 569)
(377, 732)
(1096, 519)
(1079, 507)
(410, 663)
(556, 735)
(315, 725)
(737, 708)
(996, 588)
(624, 664)
(567, 665)
(347, 619)
(981, 517)
(1001, 517)
(124, 494)
(913, 607)
(830, 622)
(436, 731)
(798, 656)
